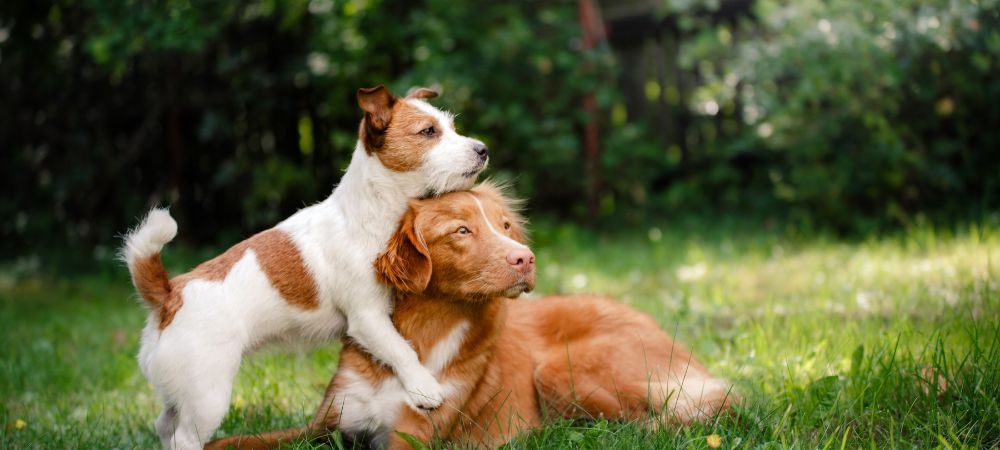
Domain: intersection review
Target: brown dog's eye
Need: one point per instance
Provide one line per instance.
(429, 131)
(506, 225)
(462, 230)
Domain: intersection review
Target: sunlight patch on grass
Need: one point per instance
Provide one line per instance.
(889, 277)
(829, 342)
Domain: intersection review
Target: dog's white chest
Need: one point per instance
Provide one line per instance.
(366, 407)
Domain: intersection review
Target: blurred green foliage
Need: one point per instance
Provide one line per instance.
(853, 116)
(837, 114)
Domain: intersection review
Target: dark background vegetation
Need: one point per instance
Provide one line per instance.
(834, 115)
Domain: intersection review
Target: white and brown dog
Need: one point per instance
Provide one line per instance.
(310, 278)
(507, 365)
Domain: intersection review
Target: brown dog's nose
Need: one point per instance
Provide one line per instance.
(522, 260)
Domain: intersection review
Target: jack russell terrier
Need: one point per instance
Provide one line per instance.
(457, 261)
(310, 278)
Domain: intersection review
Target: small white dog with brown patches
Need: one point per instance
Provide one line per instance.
(310, 278)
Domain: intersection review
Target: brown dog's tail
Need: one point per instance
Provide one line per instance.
(268, 440)
(141, 252)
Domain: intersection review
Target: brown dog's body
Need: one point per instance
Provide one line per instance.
(506, 364)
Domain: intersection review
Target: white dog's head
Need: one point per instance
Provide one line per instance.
(410, 135)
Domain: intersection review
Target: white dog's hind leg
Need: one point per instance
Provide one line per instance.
(166, 424)
(201, 398)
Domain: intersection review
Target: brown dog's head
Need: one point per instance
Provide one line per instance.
(464, 245)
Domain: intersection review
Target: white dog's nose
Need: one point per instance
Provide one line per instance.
(480, 149)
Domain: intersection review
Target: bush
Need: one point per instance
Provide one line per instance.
(850, 115)
(866, 114)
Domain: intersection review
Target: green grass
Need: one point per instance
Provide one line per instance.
(828, 341)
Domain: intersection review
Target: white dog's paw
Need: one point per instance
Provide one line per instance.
(425, 393)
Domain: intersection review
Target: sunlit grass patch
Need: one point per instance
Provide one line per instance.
(879, 343)
(828, 340)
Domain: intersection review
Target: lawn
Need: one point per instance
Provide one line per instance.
(885, 342)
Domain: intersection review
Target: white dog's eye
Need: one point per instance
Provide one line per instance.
(463, 230)
(429, 131)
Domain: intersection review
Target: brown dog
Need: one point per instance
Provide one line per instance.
(456, 262)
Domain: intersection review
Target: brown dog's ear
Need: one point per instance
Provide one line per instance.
(377, 104)
(406, 262)
(422, 93)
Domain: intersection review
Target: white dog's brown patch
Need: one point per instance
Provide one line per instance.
(397, 132)
(411, 135)
(278, 258)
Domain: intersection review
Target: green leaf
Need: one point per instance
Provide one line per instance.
(857, 358)
(417, 444)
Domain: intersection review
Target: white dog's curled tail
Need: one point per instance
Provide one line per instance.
(141, 252)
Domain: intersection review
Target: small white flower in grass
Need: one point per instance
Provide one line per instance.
(79, 414)
(824, 25)
(863, 300)
(692, 273)
(634, 276)
(579, 281)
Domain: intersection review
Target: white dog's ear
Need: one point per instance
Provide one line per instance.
(377, 103)
(376, 100)
(406, 262)
(422, 93)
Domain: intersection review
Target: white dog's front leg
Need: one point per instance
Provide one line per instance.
(375, 333)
